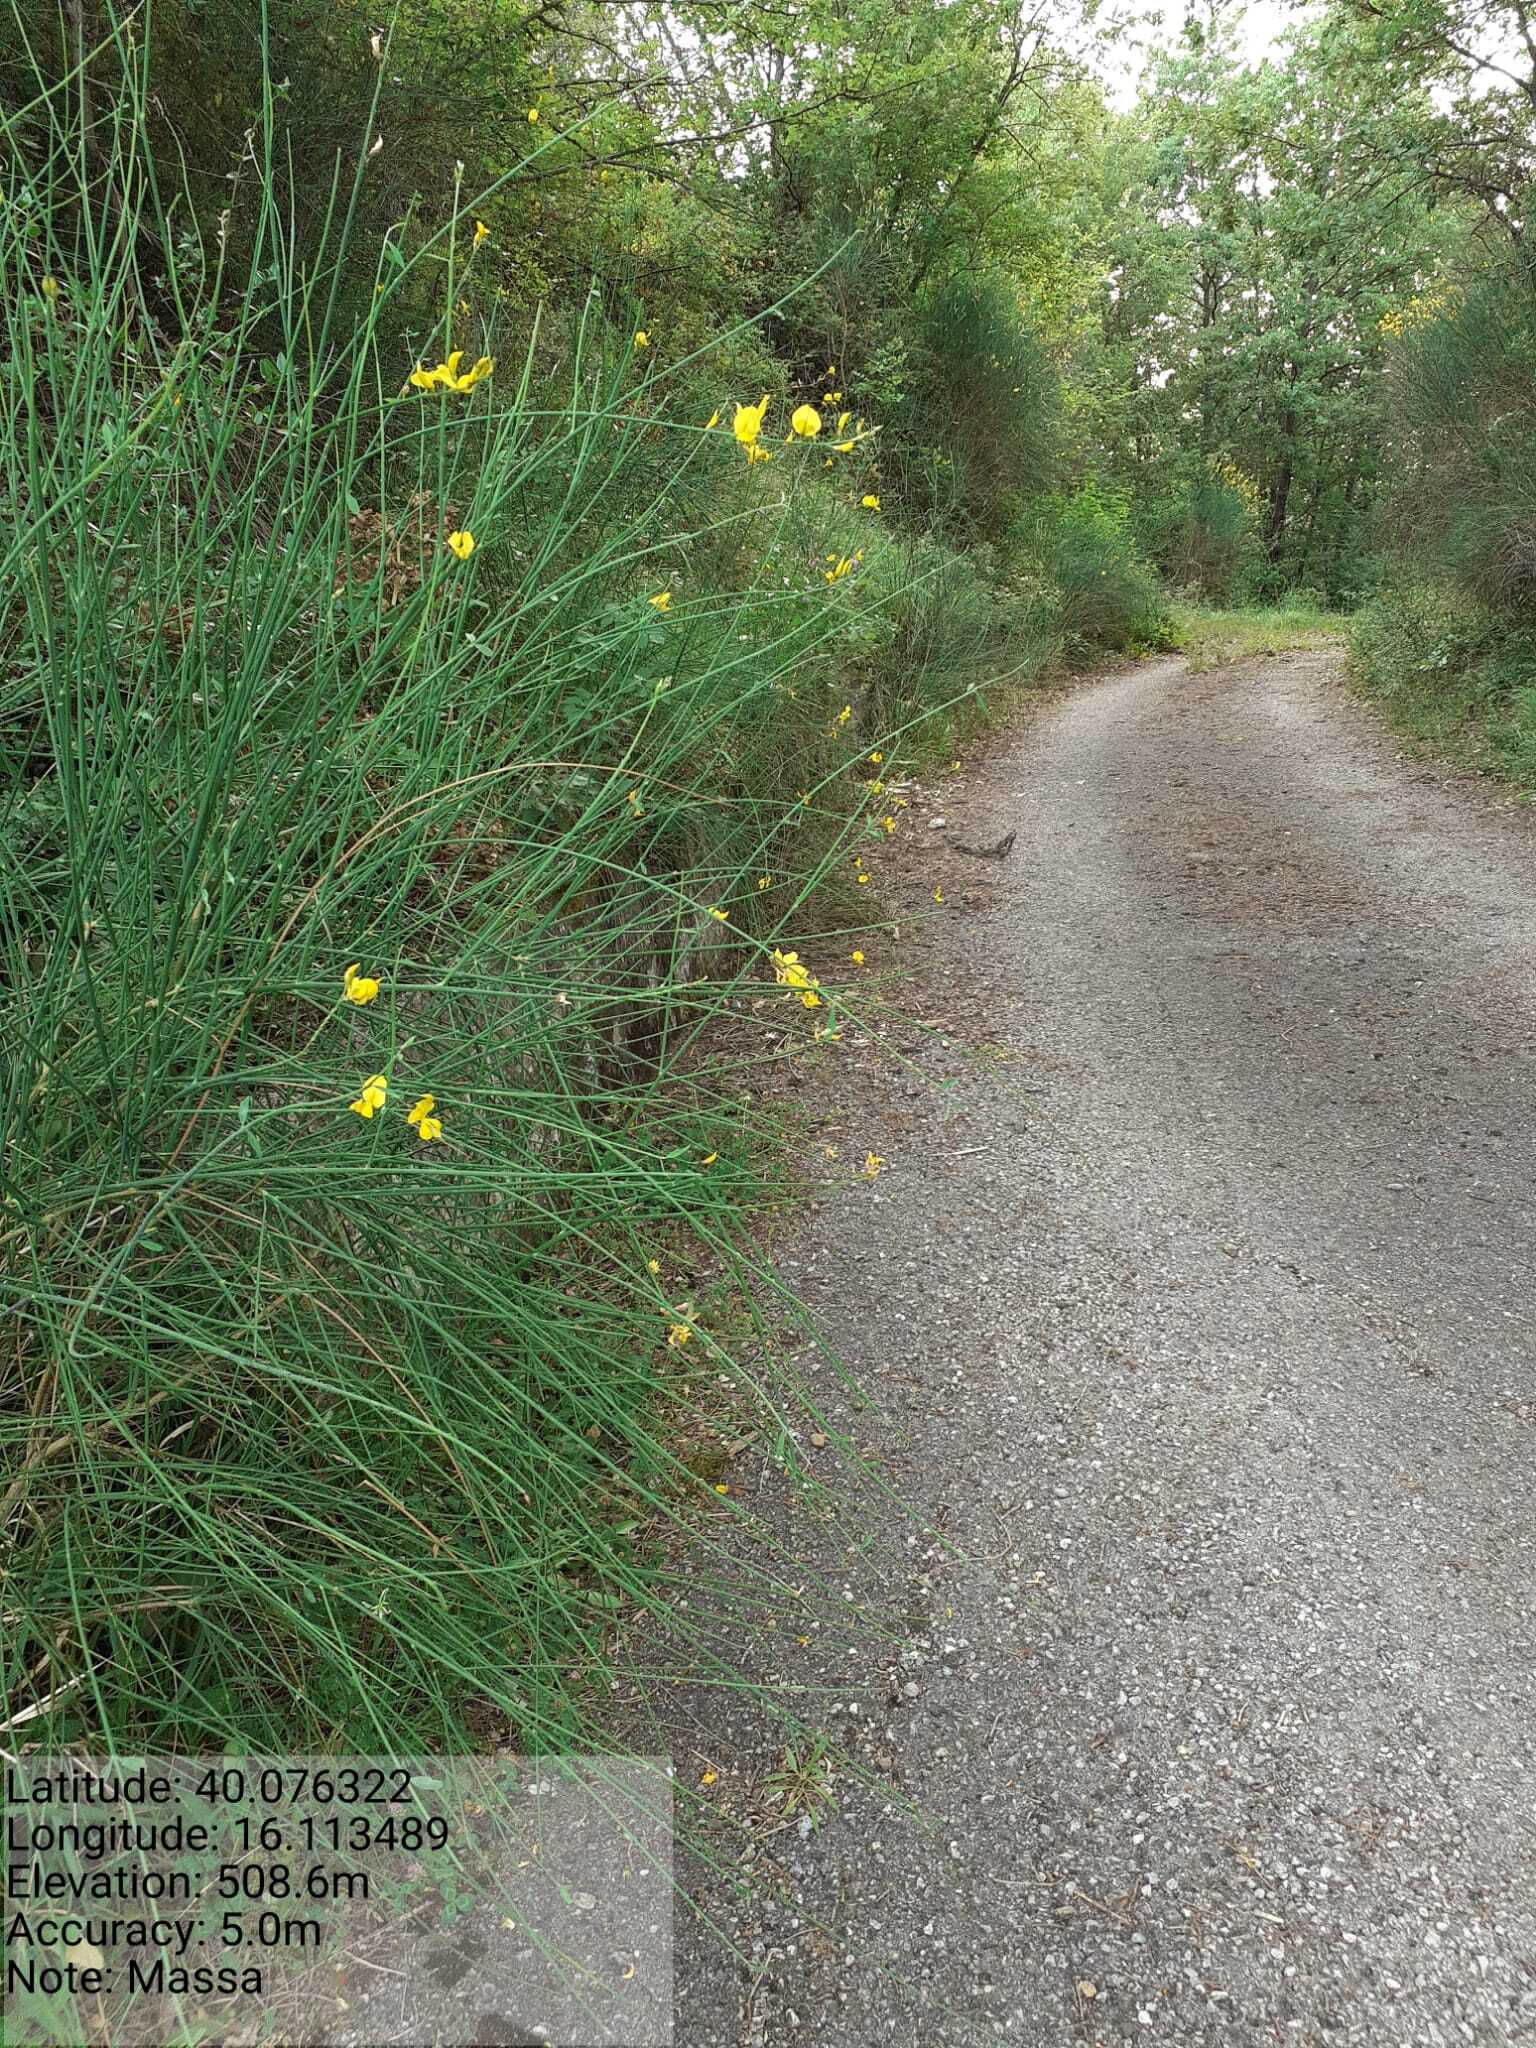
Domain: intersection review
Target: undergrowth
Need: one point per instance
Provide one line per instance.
(1454, 674)
(402, 779)
(1209, 638)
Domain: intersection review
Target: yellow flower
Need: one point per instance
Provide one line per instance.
(862, 880)
(446, 377)
(872, 1164)
(709, 1159)
(843, 447)
(890, 826)
(806, 421)
(875, 760)
(427, 1125)
(856, 957)
(789, 973)
(372, 1097)
(938, 895)
(720, 916)
(653, 1265)
(758, 454)
(661, 600)
(870, 502)
(832, 397)
(709, 1777)
(713, 420)
(875, 786)
(721, 1487)
(842, 421)
(358, 988)
(765, 881)
(642, 339)
(462, 543)
(678, 1335)
(831, 370)
(749, 419)
(533, 117)
(49, 288)
(845, 714)
(482, 233)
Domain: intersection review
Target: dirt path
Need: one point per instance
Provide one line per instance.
(1206, 1323)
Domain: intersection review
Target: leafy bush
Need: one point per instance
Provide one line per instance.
(1464, 378)
(1452, 669)
(974, 430)
(1109, 595)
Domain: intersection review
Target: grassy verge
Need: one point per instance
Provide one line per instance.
(1209, 638)
(404, 773)
(1454, 675)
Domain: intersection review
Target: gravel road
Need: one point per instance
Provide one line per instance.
(1202, 1316)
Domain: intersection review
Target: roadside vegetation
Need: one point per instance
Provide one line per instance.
(493, 505)
(1208, 638)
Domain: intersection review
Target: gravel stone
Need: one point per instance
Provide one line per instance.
(1199, 1332)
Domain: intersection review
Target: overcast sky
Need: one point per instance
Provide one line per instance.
(1260, 30)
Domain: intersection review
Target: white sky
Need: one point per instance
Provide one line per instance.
(1121, 67)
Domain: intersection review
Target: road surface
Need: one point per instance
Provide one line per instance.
(1205, 1315)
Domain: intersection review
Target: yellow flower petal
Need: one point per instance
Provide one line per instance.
(748, 423)
(358, 988)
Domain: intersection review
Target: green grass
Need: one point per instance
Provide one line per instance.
(1209, 638)
(314, 1435)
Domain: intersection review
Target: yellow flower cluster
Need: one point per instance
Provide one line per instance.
(805, 423)
(1419, 312)
(448, 377)
(374, 1092)
(1240, 484)
(789, 973)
